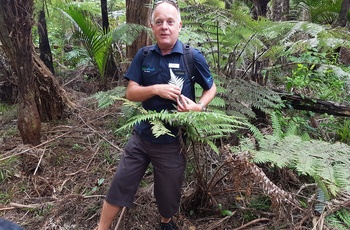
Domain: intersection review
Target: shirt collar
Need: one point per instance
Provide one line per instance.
(176, 49)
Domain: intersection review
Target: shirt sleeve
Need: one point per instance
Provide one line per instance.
(202, 72)
(134, 72)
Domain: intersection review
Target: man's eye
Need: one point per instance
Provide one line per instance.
(171, 22)
(158, 23)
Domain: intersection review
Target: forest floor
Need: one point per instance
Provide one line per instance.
(61, 184)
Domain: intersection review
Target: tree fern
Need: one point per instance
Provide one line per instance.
(318, 159)
(243, 95)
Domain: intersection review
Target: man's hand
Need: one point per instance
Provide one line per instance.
(136, 92)
(184, 104)
(168, 91)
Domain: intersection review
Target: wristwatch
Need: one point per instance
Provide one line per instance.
(203, 106)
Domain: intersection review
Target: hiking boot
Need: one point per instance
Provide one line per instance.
(168, 226)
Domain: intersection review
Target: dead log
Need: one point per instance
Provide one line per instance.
(316, 105)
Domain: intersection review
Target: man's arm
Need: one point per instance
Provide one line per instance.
(207, 96)
(136, 92)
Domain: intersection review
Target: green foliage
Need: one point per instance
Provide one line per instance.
(242, 96)
(107, 98)
(327, 163)
(323, 83)
(203, 127)
(7, 169)
(320, 11)
(340, 219)
(224, 212)
(343, 131)
(216, 3)
(97, 42)
(293, 123)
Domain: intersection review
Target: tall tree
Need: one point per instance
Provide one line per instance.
(138, 12)
(39, 95)
(344, 13)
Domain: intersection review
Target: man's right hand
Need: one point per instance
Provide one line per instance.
(168, 91)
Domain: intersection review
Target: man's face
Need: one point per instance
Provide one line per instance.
(166, 25)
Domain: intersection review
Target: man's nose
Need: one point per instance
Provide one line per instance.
(165, 25)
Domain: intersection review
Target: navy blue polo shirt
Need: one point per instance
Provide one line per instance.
(154, 68)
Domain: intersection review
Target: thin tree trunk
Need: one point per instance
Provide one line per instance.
(44, 44)
(111, 65)
(344, 12)
(104, 13)
(228, 4)
(138, 12)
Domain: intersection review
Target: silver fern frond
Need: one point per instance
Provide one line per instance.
(174, 80)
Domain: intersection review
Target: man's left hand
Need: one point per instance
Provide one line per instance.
(184, 104)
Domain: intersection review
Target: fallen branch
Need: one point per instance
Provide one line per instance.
(252, 222)
(316, 105)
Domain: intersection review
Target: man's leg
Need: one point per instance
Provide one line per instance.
(130, 170)
(168, 166)
(108, 213)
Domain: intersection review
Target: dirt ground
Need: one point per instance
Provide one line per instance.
(61, 183)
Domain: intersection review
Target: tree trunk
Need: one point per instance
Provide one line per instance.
(344, 12)
(104, 13)
(260, 8)
(279, 10)
(44, 44)
(51, 99)
(228, 4)
(138, 12)
(39, 95)
(111, 65)
(17, 44)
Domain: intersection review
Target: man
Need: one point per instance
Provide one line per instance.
(148, 83)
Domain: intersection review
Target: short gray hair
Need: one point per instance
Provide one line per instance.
(165, 1)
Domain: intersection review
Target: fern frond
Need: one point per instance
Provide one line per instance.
(344, 215)
(251, 94)
(277, 129)
(107, 98)
(326, 161)
(159, 129)
(203, 127)
(174, 80)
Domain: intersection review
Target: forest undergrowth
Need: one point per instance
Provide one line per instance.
(61, 183)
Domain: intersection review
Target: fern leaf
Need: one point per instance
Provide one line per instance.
(174, 80)
(327, 163)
